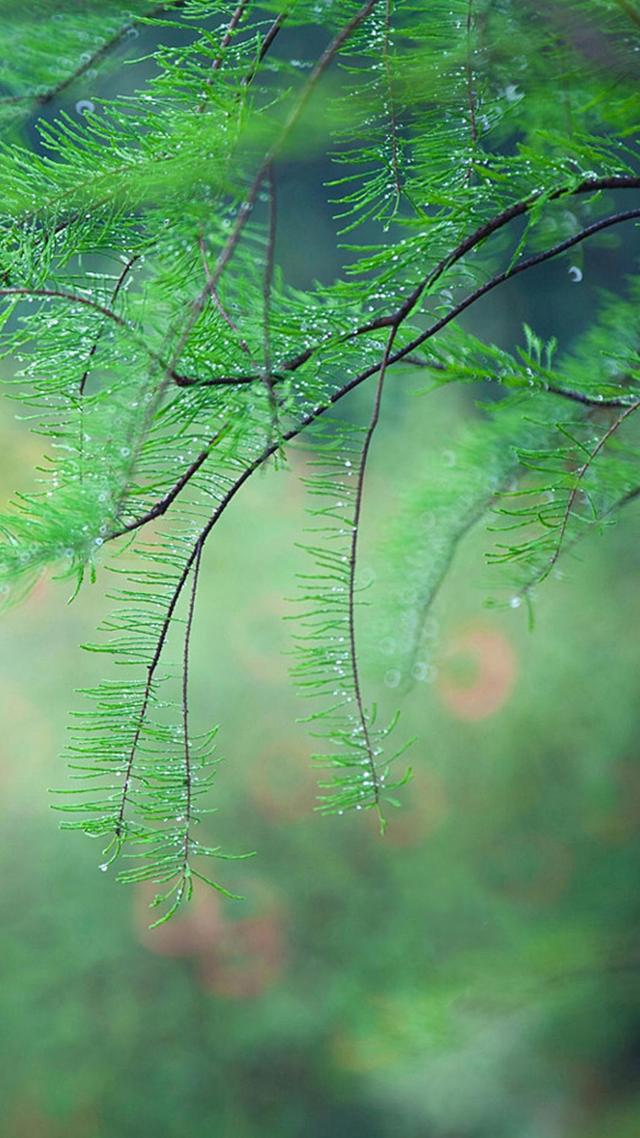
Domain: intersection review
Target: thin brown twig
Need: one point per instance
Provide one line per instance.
(188, 778)
(267, 288)
(393, 120)
(114, 296)
(353, 563)
(579, 475)
(471, 95)
(146, 696)
(327, 57)
(160, 508)
(224, 43)
(216, 299)
(79, 298)
(265, 46)
(401, 313)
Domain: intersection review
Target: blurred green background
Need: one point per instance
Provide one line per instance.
(474, 974)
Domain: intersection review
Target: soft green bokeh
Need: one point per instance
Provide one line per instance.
(472, 973)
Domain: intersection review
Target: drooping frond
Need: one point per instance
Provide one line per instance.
(327, 664)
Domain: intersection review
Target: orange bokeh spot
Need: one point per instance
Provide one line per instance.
(283, 787)
(237, 958)
(477, 673)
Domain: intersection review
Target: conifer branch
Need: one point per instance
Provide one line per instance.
(161, 507)
(114, 296)
(393, 119)
(579, 476)
(148, 688)
(244, 212)
(218, 303)
(372, 762)
(224, 43)
(488, 228)
(188, 774)
(403, 311)
(515, 270)
(151, 173)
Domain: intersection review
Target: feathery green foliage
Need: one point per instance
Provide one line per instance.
(161, 352)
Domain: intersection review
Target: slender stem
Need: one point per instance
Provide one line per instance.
(163, 504)
(401, 314)
(83, 381)
(188, 778)
(224, 43)
(521, 267)
(318, 71)
(629, 9)
(403, 354)
(579, 475)
(353, 563)
(216, 299)
(151, 670)
(393, 123)
(267, 288)
(471, 95)
(114, 295)
(78, 298)
(270, 36)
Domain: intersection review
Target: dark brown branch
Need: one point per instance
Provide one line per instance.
(73, 297)
(151, 670)
(521, 267)
(401, 314)
(589, 185)
(629, 10)
(78, 298)
(218, 303)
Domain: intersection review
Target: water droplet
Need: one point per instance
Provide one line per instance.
(575, 273)
(392, 678)
(85, 106)
(515, 602)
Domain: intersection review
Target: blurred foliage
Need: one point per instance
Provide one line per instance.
(474, 973)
